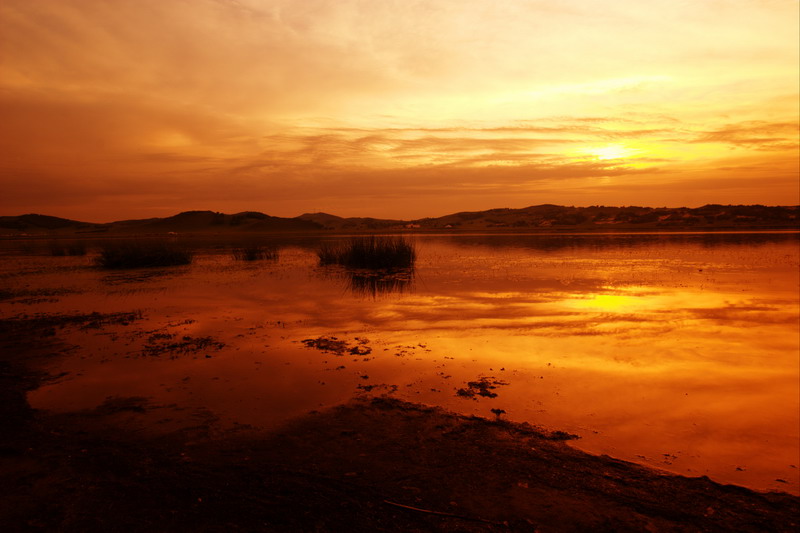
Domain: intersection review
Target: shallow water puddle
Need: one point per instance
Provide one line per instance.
(677, 351)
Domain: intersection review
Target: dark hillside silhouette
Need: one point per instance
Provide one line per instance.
(546, 217)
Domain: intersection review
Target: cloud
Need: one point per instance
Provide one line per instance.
(73, 137)
(758, 135)
(225, 55)
(352, 105)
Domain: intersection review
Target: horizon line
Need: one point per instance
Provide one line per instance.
(409, 219)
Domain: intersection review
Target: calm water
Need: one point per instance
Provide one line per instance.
(676, 351)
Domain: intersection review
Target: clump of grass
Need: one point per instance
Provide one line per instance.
(329, 253)
(373, 252)
(142, 254)
(255, 252)
(71, 248)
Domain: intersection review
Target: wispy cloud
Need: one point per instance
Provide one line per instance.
(352, 105)
(758, 135)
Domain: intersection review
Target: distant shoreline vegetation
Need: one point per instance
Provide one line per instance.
(255, 252)
(136, 253)
(70, 248)
(372, 253)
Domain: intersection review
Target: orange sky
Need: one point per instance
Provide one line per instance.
(116, 109)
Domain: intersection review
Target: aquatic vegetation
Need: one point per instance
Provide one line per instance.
(255, 252)
(482, 387)
(169, 343)
(326, 344)
(142, 253)
(339, 347)
(48, 325)
(373, 252)
(70, 248)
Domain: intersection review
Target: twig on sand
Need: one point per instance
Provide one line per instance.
(442, 513)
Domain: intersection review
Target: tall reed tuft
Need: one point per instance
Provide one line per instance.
(255, 252)
(73, 248)
(329, 253)
(373, 252)
(134, 253)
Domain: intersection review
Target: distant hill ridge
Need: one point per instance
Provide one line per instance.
(538, 217)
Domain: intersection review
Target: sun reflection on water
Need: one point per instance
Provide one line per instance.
(609, 302)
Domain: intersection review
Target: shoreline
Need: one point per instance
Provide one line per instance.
(234, 234)
(368, 465)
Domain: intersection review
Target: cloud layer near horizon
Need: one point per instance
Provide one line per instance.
(119, 109)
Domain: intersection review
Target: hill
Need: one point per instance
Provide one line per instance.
(546, 217)
(34, 223)
(210, 221)
(594, 218)
(185, 222)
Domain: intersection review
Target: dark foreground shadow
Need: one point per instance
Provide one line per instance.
(375, 464)
(371, 465)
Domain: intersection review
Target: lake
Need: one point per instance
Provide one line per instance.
(679, 351)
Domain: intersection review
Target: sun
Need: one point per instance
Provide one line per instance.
(614, 153)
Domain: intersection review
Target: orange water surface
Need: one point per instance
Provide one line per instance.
(676, 351)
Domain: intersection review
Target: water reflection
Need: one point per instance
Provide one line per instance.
(616, 241)
(133, 276)
(678, 346)
(373, 284)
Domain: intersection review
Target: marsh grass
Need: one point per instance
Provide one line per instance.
(69, 248)
(372, 253)
(255, 252)
(142, 253)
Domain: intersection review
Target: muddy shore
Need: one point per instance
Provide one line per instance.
(375, 464)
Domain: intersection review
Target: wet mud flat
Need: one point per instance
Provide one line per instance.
(375, 464)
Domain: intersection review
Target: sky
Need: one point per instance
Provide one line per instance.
(119, 109)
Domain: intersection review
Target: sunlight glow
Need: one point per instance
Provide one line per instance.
(609, 302)
(611, 151)
(402, 109)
